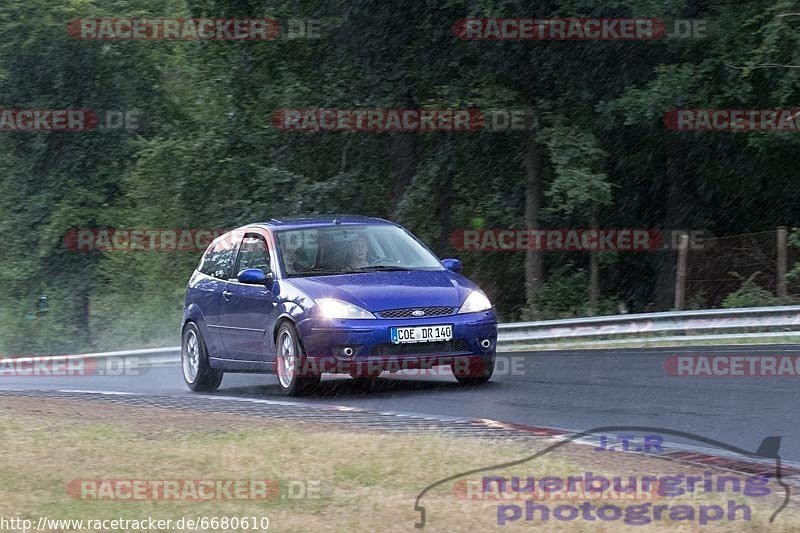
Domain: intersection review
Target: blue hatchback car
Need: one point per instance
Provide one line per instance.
(336, 294)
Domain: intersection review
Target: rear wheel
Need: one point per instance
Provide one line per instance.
(474, 370)
(294, 376)
(197, 373)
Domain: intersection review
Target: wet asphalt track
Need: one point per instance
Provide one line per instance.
(570, 389)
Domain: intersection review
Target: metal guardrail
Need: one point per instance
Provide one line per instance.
(707, 325)
(154, 356)
(697, 325)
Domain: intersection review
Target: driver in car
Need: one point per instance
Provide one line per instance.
(294, 257)
(357, 253)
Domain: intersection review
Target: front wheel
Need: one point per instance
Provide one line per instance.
(197, 373)
(473, 370)
(294, 375)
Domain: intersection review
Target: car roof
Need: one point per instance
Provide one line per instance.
(321, 220)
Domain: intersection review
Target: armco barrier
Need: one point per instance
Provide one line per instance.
(694, 325)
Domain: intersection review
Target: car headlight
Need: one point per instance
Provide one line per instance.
(475, 302)
(332, 308)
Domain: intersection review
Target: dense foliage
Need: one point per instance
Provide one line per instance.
(207, 155)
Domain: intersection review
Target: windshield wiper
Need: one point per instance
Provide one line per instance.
(377, 268)
(313, 271)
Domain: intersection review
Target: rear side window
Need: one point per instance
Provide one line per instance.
(218, 261)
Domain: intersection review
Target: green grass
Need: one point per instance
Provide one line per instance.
(368, 481)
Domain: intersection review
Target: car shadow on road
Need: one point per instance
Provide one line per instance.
(345, 387)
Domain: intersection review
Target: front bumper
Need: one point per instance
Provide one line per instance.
(371, 350)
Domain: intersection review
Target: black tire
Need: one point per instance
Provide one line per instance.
(469, 374)
(302, 380)
(205, 378)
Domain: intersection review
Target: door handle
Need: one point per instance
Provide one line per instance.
(227, 295)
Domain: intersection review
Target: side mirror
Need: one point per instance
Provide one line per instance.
(453, 265)
(254, 276)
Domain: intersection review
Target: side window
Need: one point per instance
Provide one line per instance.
(208, 262)
(219, 259)
(253, 253)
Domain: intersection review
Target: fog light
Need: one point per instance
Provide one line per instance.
(486, 344)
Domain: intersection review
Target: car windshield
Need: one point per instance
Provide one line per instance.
(352, 249)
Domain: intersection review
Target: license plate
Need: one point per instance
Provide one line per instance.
(442, 332)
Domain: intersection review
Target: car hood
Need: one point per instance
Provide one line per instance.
(378, 291)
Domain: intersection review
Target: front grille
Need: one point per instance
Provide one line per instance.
(409, 312)
(423, 348)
